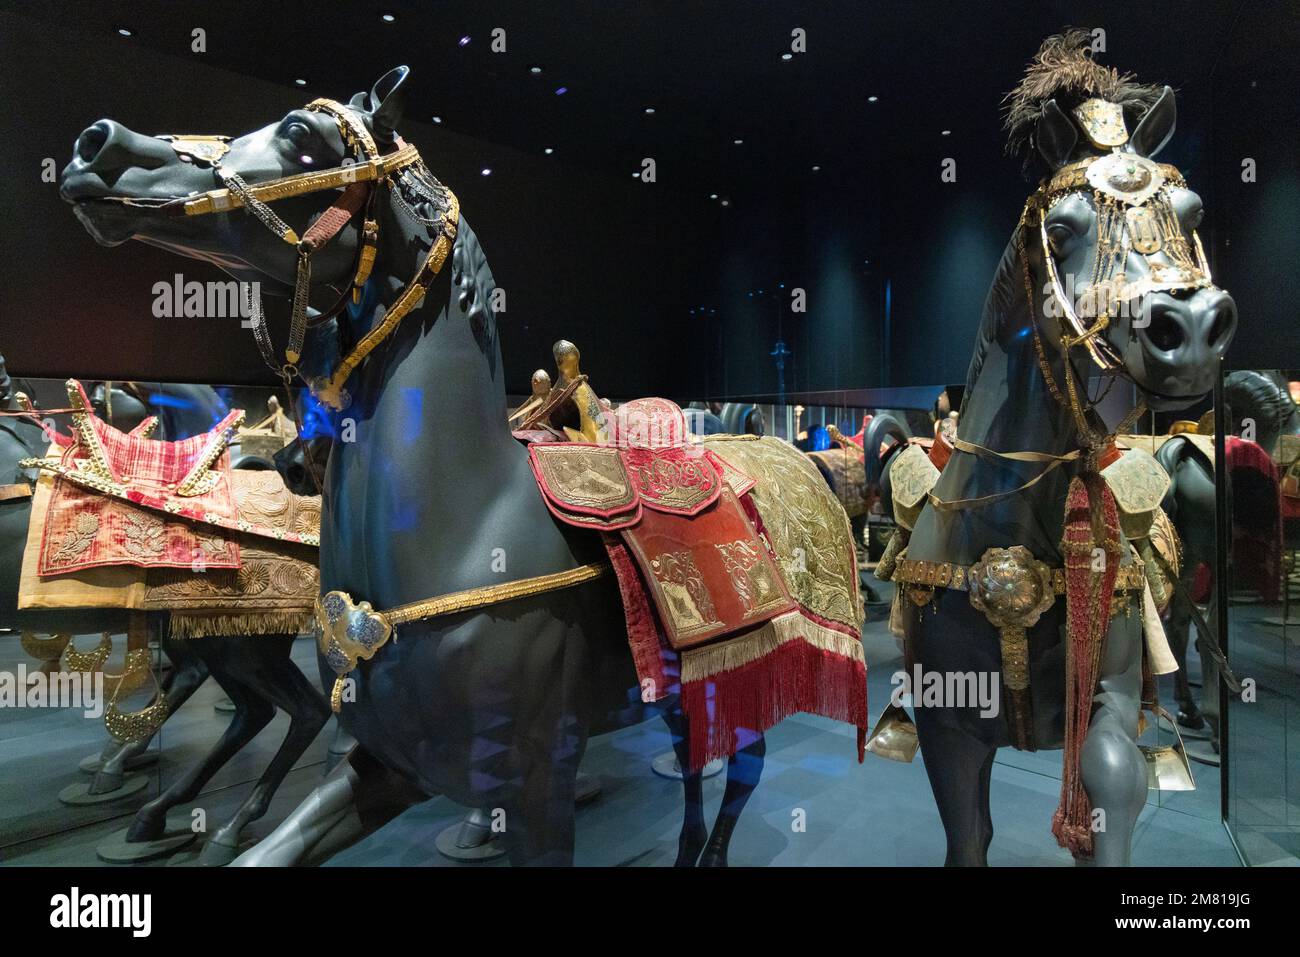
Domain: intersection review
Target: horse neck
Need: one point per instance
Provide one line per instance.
(448, 344)
(431, 481)
(1008, 407)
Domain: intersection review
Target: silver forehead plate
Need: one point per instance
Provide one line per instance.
(1130, 178)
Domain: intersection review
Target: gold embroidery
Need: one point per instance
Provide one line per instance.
(805, 524)
(583, 477)
(749, 576)
(144, 536)
(79, 539)
(688, 596)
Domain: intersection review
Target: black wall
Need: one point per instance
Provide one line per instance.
(609, 263)
(661, 289)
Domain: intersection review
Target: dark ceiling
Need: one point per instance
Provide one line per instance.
(712, 72)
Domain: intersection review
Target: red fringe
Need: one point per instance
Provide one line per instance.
(1088, 597)
(756, 696)
(642, 627)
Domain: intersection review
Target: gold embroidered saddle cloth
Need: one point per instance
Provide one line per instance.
(702, 561)
(272, 592)
(86, 528)
(735, 564)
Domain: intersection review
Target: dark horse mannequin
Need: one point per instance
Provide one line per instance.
(1249, 397)
(1009, 406)
(492, 708)
(255, 672)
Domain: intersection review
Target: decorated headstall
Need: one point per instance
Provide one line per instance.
(360, 179)
(1132, 198)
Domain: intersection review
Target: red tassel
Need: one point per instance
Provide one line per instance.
(1091, 522)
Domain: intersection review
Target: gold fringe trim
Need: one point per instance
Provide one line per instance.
(246, 624)
(737, 652)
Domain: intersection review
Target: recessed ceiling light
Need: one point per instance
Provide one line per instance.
(561, 90)
(300, 81)
(463, 41)
(548, 151)
(636, 175)
(649, 109)
(872, 99)
(713, 196)
(126, 32)
(738, 142)
(387, 17)
(817, 169)
(726, 202)
(946, 133)
(485, 171)
(787, 56)
(436, 119)
(535, 70)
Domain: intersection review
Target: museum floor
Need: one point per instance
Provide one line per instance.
(878, 814)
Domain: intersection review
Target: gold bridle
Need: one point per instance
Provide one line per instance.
(360, 181)
(1134, 214)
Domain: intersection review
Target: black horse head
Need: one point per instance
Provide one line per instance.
(126, 185)
(1116, 228)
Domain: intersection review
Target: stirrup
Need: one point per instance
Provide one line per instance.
(1168, 768)
(894, 736)
(136, 727)
(45, 649)
(89, 661)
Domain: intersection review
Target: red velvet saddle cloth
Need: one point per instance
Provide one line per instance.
(709, 613)
(87, 529)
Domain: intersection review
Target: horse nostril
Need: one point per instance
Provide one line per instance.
(1165, 333)
(1223, 325)
(90, 142)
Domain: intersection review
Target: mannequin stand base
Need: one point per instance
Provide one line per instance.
(473, 841)
(78, 795)
(116, 849)
(666, 766)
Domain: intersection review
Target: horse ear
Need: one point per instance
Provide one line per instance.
(1055, 136)
(384, 103)
(1156, 127)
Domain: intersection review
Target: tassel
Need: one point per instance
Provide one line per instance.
(1091, 522)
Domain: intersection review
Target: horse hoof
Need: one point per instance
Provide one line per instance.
(690, 844)
(146, 829)
(215, 854)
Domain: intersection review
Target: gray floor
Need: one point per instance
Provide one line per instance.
(880, 813)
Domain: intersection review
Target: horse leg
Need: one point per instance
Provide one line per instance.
(957, 744)
(1112, 767)
(178, 684)
(273, 677)
(694, 831)
(744, 769)
(1180, 622)
(356, 798)
(252, 714)
(960, 766)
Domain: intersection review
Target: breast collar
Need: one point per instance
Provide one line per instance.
(360, 181)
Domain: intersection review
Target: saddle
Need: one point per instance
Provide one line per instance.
(734, 561)
(111, 528)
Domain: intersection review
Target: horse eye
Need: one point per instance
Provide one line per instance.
(297, 133)
(1058, 235)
